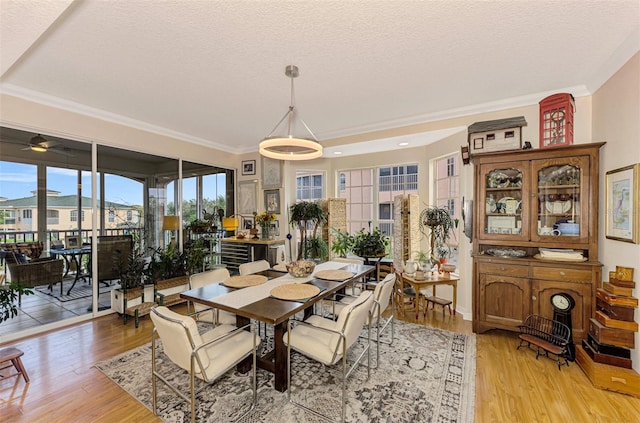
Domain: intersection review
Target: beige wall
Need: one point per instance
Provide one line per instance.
(616, 120)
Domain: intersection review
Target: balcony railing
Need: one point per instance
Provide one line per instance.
(56, 235)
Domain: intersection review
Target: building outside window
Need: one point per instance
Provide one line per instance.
(129, 215)
(112, 216)
(447, 194)
(73, 216)
(363, 191)
(53, 217)
(309, 186)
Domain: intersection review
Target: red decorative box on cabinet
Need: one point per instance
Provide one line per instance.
(556, 120)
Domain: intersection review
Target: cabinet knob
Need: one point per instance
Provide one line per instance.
(562, 273)
(533, 297)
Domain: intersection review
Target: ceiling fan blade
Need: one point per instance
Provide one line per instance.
(61, 151)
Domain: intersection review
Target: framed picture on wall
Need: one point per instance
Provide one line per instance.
(248, 167)
(271, 173)
(272, 201)
(623, 204)
(247, 197)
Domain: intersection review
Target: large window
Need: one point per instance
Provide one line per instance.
(309, 186)
(370, 200)
(358, 190)
(447, 194)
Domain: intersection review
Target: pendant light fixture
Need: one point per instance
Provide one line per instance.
(290, 147)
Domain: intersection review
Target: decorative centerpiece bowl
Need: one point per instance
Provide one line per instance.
(448, 268)
(300, 268)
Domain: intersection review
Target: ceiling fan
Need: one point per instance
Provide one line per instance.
(40, 144)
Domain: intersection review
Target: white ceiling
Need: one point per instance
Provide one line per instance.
(212, 72)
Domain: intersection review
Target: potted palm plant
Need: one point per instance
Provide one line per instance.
(308, 217)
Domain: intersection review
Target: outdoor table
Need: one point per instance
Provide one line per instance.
(72, 255)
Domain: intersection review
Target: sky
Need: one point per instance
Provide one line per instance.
(18, 180)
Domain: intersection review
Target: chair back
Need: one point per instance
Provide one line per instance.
(382, 296)
(351, 321)
(254, 267)
(382, 271)
(201, 279)
(180, 336)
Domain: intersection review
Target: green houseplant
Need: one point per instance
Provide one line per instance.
(8, 296)
(343, 243)
(437, 224)
(369, 244)
(309, 216)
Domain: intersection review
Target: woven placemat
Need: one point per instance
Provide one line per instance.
(244, 281)
(280, 268)
(333, 274)
(295, 291)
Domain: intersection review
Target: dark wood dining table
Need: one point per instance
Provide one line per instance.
(274, 312)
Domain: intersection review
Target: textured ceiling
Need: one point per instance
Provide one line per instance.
(212, 72)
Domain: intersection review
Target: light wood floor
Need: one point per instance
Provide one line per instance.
(511, 386)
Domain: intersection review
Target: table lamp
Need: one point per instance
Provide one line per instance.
(230, 224)
(171, 223)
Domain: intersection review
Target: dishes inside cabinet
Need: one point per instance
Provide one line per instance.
(506, 252)
(558, 207)
(498, 180)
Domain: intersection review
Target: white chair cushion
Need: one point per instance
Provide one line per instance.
(314, 343)
(321, 345)
(222, 356)
(216, 359)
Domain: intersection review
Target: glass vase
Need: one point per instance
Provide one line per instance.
(264, 232)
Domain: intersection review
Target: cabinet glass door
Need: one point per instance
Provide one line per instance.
(562, 201)
(505, 205)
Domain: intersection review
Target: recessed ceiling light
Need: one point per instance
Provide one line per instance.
(402, 144)
(337, 152)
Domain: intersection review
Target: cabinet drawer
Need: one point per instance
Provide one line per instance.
(560, 274)
(503, 269)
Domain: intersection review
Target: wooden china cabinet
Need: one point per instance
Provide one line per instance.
(526, 200)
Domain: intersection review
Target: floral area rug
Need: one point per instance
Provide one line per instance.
(426, 375)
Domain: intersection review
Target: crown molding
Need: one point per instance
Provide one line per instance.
(74, 107)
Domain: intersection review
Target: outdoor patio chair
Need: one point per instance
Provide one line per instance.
(35, 272)
(206, 357)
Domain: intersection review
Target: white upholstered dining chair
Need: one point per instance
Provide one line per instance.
(327, 342)
(206, 357)
(205, 313)
(382, 298)
(254, 267)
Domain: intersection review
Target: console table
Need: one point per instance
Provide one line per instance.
(236, 251)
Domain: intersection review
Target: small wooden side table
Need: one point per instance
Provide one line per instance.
(433, 279)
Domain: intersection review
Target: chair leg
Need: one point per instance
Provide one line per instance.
(153, 373)
(17, 363)
(192, 382)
